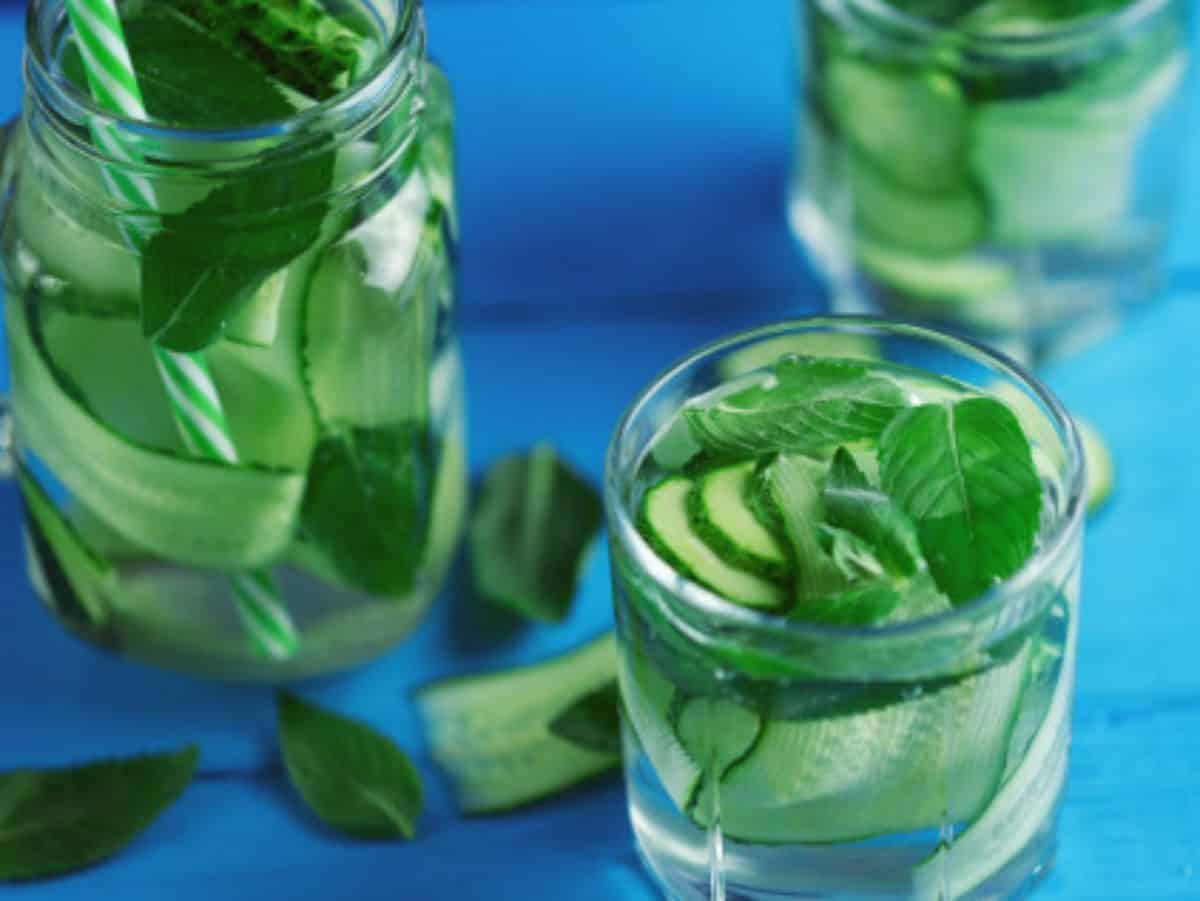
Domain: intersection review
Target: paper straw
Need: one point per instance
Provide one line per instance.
(195, 403)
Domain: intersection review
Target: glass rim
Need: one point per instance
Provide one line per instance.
(703, 600)
(1089, 27)
(354, 102)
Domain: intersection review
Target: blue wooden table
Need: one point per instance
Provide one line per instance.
(622, 172)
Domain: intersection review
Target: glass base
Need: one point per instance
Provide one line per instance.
(1034, 303)
(696, 867)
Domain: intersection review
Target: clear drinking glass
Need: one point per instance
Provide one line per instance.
(306, 264)
(1009, 171)
(771, 758)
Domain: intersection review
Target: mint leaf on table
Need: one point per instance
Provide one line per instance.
(806, 405)
(852, 503)
(963, 471)
(366, 506)
(529, 533)
(593, 722)
(56, 821)
(353, 778)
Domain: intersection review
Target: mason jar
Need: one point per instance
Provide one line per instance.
(236, 389)
(1009, 171)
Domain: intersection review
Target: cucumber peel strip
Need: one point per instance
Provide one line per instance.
(1017, 811)
(194, 512)
(491, 733)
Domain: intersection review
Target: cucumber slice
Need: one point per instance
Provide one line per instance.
(110, 364)
(195, 512)
(71, 578)
(720, 514)
(1018, 811)
(490, 733)
(1098, 460)
(650, 701)
(936, 224)
(934, 758)
(911, 125)
(958, 282)
(670, 531)
(257, 322)
(262, 387)
(368, 323)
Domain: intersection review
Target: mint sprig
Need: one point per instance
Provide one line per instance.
(963, 471)
(805, 405)
(854, 504)
(355, 779)
(55, 821)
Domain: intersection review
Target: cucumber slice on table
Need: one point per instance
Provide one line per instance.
(491, 735)
(909, 765)
(910, 124)
(1013, 817)
(720, 514)
(192, 511)
(667, 525)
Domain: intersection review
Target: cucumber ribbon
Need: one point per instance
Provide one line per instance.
(196, 512)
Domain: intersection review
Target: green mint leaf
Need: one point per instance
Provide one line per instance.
(793, 486)
(352, 777)
(852, 503)
(206, 263)
(876, 602)
(298, 42)
(190, 78)
(854, 557)
(366, 506)
(593, 722)
(60, 820)
(807, 405)
(529, 533)
(964, 473)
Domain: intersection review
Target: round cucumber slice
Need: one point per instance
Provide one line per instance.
(191, 511)
(667, 526)
(1099, 463)
(720, 514)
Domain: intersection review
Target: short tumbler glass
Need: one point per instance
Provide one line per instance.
(1011, 173)
(865, 773)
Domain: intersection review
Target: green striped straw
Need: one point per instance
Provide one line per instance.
(195, 403)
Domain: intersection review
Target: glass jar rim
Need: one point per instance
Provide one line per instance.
(1056, 538)
(341, 113)
(1049, 39)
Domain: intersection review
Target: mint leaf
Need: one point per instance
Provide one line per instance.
(298, 42)
(593, 722)
(793, 485)
(807, 405)
(963, 471)
(353, 778)
(207, 262)
(60, 820)
(854, 558)
(366, 506)
(852, 503)
(534, 521)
